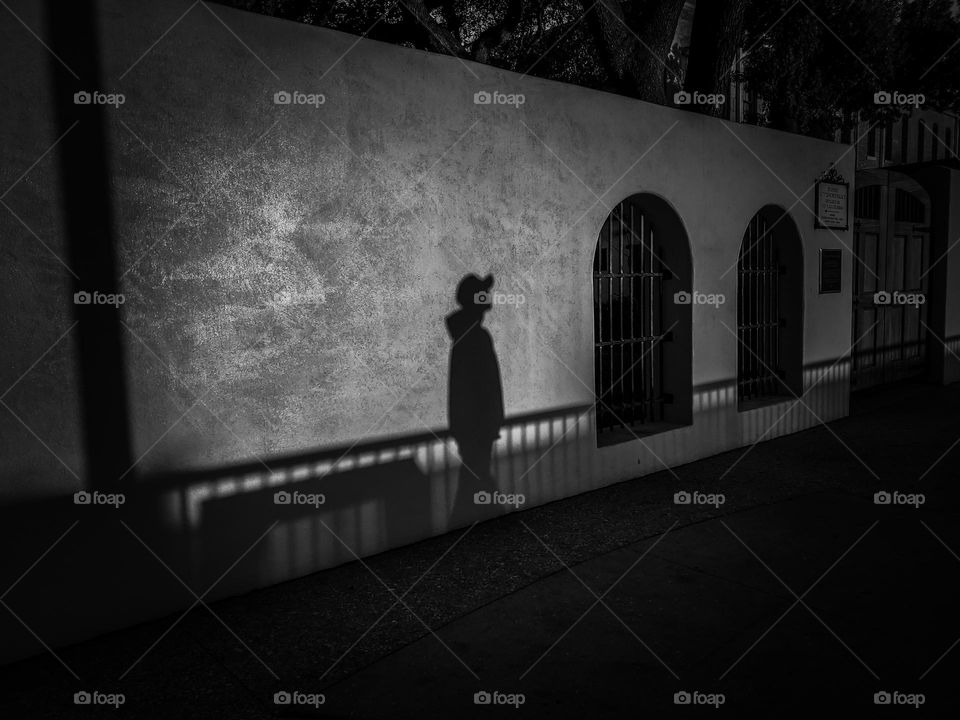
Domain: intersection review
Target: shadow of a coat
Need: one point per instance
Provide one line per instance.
(475, 398)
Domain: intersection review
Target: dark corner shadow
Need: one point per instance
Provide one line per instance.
(475, 396)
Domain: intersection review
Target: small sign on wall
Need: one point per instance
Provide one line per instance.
(832, 202)
(831, 271)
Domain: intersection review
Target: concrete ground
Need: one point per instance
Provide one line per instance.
(798, 593)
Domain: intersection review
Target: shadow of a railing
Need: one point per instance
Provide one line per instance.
(329, 506)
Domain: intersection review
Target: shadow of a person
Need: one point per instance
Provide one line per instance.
(475, 395)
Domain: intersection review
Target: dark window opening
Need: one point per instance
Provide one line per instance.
(904, 139)
(628, 322)
(866, 202)
(769, 309)
(908, 207)
(872, 142)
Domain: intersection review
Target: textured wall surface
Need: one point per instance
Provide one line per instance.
(287, 268)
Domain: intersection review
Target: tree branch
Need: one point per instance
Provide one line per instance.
(633, 46)
(714, 40)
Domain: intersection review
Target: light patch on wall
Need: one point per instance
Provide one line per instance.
(279, 220)
(195, 498)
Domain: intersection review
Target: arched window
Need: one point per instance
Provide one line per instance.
(769, 309)
(642, 338)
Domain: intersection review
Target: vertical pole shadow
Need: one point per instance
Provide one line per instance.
(84, 172)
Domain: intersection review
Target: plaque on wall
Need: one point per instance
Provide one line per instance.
(831, 271)
(832, 202)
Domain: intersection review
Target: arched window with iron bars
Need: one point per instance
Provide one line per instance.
(642, 338)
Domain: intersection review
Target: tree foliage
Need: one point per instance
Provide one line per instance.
(816, 64)
(819, 64)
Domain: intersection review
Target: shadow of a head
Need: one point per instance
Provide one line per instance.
(473, 295)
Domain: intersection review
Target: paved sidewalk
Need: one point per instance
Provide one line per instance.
(691, 599)
(703, 608)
